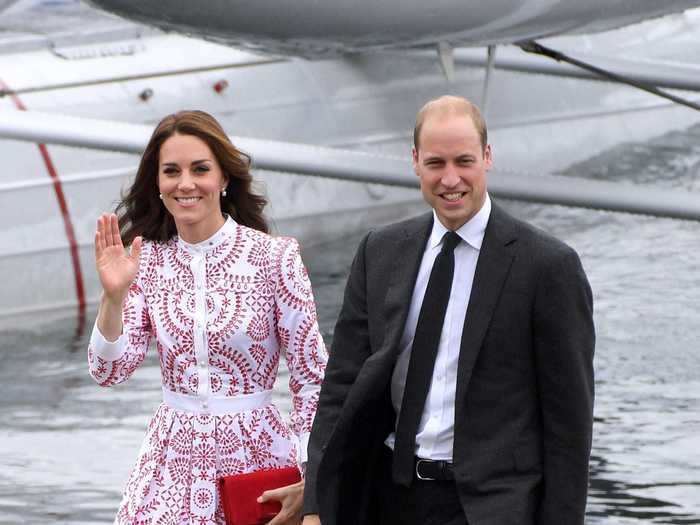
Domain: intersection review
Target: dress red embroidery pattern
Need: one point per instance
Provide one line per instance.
(257, 305)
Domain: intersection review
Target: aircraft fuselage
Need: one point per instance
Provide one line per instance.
(315, 29)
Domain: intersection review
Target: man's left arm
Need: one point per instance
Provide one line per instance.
(564, 341)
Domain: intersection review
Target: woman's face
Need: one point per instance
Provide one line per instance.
(190, 181)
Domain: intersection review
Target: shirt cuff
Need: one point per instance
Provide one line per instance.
(304, 449)
(107, 350)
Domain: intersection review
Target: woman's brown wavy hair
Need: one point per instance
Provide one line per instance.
(141, 212)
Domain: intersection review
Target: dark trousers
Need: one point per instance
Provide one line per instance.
(423, 503)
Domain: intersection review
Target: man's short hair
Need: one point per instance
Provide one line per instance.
(446, 105)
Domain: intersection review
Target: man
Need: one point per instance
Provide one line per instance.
(459, 388)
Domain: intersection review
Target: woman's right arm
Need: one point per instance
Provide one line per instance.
(122, 331)
(117, 269)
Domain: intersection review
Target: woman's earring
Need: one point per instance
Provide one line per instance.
(161, 196)
(223, 192)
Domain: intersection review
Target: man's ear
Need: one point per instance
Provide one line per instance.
(488, 156)
(414, 154)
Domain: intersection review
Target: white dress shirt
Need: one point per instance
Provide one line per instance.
(435, 432)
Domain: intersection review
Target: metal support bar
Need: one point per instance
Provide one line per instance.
(447, 60)
(652, 72)
(303, 159)
(143, 76)
(533, 47)
(490, 63)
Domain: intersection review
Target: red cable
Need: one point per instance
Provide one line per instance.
(67, 223)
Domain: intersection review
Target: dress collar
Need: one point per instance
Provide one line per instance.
(227, 231)
(472, 231)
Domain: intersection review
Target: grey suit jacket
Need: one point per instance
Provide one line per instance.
(524, 400)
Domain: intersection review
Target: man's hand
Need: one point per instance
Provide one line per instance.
(291, 497)
(311, 519)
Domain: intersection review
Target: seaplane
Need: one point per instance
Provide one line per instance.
(322, 95)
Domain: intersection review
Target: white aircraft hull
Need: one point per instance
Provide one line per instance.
(538, 124)
(316, 29)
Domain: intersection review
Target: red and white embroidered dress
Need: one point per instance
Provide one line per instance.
(221, 312)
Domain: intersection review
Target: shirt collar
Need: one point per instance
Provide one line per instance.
(227, 231)
(472, 231)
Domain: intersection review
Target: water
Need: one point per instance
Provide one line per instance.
(67, 445)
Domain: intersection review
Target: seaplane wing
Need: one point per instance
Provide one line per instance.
(301, 159)
(316, 29)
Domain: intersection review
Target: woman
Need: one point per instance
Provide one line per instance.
(223, 300)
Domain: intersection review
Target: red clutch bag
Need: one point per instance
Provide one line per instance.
(239, 494)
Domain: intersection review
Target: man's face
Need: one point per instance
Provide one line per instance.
(452, 166)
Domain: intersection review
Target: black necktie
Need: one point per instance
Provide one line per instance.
(420, 366)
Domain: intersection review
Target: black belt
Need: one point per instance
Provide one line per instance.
(429, 470)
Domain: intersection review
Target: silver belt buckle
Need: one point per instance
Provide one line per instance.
(418, 473)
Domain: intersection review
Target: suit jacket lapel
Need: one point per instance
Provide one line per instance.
(492, 268)
(407, 254)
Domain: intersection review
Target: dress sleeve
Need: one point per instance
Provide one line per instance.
(111, 363)
(299, 337)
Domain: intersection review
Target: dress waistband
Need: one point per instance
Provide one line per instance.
(216, 405)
